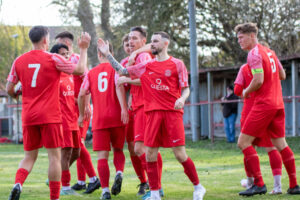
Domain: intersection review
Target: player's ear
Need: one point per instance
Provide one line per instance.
(166, 42)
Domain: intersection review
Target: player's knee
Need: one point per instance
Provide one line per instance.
(180, 156)
(240, 144)
(139, 150)
(76, 153)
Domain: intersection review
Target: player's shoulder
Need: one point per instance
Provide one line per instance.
(74, 58)
(143, 54)
(176, 61)
(254, 51)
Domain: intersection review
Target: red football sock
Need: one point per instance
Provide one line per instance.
(103, 171)
(275, 162)
(252, 161)
(138, 168)
(21, 176)
(190, 171)
(288, 159)
(247, 170)
(65, 178)
(160, 166)
(80, 170)
(119, 160)
(153, 175)
(144, 162)
(86, 161)
(54, 189)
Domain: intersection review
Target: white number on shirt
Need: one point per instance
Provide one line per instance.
(102, 82)
(35, 74)
(272, 61)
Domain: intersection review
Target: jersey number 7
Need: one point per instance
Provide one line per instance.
(35, 74)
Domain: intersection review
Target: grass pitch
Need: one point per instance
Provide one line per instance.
(219, 165)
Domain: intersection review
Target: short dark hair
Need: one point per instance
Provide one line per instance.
(139, 29)
(65, 34)
(248, 27)
(57, 47)
(162, 34)
(125, 38)
(36, 33)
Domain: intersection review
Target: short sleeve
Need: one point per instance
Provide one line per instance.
(143, 57)
(12, 76)
(117, 76)
(182, 73)
(255, 61)
(86, 84)
(136, 71)
(279, 64)
(240, 78)
(62, 64)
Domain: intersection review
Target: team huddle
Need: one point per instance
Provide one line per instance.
(139, 100)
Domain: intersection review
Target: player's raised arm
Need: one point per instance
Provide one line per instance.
(68, 67)
(104, 49)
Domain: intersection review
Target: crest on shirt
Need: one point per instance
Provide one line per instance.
(158, 81)
(168, 72)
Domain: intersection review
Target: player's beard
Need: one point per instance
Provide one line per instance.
(155, 51)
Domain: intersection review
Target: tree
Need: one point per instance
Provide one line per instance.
(85, 16)
(81, 10)
(277, 20)
(9, 46)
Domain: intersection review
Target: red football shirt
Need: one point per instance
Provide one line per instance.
(67, 102)
(100, 82)
(161, 82)
(269, 95)
(39, 74)
(135, 90)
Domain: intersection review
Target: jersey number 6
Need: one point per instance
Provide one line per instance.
(102, 82)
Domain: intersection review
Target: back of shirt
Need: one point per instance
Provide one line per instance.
(40, 87)
(269, 95)
(100, 82)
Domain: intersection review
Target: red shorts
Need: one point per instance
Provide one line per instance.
(71, 139)
(47, 135)
(264, 141)
(139, 124)
(164, 128)
(84, 129)
(129, 130)
(102, 138)
(265, 122)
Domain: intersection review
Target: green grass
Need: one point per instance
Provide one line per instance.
(219, 165)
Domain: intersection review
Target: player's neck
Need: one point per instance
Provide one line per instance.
(39, 47)
(253, 45)
(162, 56)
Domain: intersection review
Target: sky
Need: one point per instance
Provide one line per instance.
(29, 13)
